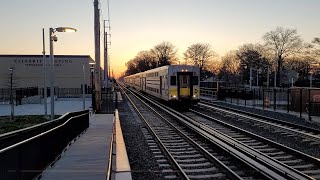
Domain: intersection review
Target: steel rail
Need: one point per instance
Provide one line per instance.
(304, 134)
(232, 148)
(204, 152)
(284, 170)
(281, 148)
(296, 152)
(313, 130)
(162, 146)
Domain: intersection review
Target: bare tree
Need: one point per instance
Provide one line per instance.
(165, 54)
(145, 61)
(230, 68)
(316, 51)
(131, 67)
(214, 66)
(283, 42)
(199, 54)
(316, 40)
(250, 56)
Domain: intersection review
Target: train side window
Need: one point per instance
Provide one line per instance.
(195, 80)
(173, 80)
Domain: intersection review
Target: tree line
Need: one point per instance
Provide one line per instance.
(282, 53)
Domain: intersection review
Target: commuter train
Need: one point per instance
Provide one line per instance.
(177, 84)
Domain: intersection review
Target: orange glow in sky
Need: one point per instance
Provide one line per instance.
(141, 24)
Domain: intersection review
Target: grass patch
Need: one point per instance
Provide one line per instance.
(20, 122)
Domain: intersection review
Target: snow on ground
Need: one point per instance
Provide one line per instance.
(62, 106)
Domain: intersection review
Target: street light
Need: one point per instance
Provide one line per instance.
(11, 94)
(83, 88)
(44, 74)
(52, 38)
(92, 67)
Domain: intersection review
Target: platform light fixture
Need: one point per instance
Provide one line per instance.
(53, 37)
(92, 68)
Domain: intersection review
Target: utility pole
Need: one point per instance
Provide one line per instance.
(51, 36)
(106, 77)
(109, 75)
(97, 54)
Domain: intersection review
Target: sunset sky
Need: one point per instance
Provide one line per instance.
(138, 25)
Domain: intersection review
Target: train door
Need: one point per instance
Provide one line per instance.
(184, 85)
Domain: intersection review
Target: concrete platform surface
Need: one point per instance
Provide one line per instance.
(87, 157)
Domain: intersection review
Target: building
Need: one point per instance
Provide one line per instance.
(28, 71)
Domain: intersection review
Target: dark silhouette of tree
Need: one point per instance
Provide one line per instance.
(131, 67)
(230, 68)
(165, 54)
(214, 66)
(143, 61)
(199, 55)
(283, 42)
(316, 42)
(250, 56)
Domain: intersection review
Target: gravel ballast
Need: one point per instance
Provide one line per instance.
(292, 142)
(142, 162)
(272, 114)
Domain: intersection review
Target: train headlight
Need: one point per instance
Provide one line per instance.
(174, 96)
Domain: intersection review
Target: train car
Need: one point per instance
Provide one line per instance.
(172, 83)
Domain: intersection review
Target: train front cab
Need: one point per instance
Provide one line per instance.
(186, 88)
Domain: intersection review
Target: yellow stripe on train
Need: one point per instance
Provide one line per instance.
(184, 91)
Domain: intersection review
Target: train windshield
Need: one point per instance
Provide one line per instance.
(184, 81)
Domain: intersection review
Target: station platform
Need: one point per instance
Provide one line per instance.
(87, 157)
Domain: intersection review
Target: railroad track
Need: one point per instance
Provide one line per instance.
(297, 160)
(197, 158)
(299, 132)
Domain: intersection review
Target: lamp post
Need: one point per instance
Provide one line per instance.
(83, 89)
(52, 38)
(92, 67)
(11, 94)
(44, 74)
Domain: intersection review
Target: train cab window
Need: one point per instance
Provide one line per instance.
(184, 81)
(173, 80)
(195, 80)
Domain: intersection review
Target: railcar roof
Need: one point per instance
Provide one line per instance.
(160, 68)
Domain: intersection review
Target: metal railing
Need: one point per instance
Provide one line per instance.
(25, 153)
(18, 94)
(299, 100)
